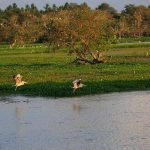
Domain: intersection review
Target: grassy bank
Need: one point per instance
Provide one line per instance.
(51, 74)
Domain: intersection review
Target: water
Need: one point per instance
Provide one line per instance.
(118, 121)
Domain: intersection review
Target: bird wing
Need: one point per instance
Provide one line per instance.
(77, 80)
(19, 76)
(18, 79)
(78, 83)
(75, 86)
(74, 81)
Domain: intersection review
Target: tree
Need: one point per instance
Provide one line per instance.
(107, 7)
(54, 7)
(121, 26)
(83, 31)
(138, 19)
(47, 8)
(69, 6)
(146, 22)
(135, 17)
(55, 28)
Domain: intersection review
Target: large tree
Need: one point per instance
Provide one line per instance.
(86, 32)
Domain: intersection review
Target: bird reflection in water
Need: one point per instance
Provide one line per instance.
(77, 107)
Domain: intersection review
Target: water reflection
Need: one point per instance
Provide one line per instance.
(19, 112)
(77, 107)
(118, 121)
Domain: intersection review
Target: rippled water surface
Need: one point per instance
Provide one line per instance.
(118, 121)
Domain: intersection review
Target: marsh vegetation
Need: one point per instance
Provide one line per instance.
(51, 74)
(56, 45)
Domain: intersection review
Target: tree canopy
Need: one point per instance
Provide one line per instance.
(72, 25)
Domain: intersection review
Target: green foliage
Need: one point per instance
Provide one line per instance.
(107, 7)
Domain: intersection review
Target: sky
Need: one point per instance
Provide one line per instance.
(117, 4)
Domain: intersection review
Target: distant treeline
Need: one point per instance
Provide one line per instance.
(29, 24)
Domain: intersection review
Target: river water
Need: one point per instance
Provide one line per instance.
(117, 121)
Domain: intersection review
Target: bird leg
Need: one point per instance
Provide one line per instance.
(74, 90)
(16, 88)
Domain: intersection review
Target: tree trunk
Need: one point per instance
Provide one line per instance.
(98, 58)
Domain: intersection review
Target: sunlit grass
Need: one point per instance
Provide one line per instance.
(131, 45)
(51, 74)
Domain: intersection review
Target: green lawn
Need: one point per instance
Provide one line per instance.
(51, 74)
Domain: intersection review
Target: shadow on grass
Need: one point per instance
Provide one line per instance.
(33, 65)
(54, 89)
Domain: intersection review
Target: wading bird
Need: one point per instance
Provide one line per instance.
(77, 84)
(18, 81)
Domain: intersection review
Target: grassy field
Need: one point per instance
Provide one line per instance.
(132, 40)
(51, 74)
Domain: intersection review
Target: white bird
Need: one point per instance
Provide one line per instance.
(18, 81)
(77, 84)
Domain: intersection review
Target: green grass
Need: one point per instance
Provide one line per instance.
(131, 45)
(51, 74)
(137, 39)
